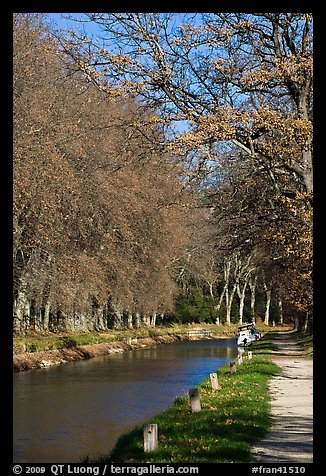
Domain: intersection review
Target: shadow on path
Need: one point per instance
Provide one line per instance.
(291, 435)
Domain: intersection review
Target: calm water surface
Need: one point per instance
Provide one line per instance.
(64, 413)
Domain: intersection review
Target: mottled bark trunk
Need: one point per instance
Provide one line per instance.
(153, 319)
(137, 320)
(118, 318)
(36, 317)
(100, 319)
(217, 307)
(241, 306)
(146, 320)
(228, 302)
(17, 319)
(308, 174)
(228, 295)
(252, 286)
(46, 316)
(211, 291)
(307, 169)
(268, 304)
(21, 312)
(115, 311)
(129, 321)
(241, 295)
(82, 322)
(63, 321)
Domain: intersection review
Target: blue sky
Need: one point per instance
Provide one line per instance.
(60, 20)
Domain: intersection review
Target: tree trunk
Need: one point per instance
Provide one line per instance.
(117, 318)
(17, 320)
(241, 294)
(46, 316)
(21, 309)
(116, 311)
(217, 307)
(146, 320)
(268, 291)
(252, 285)
(52, 320)
(228, 296)
(268, 303)
(63, 321)
(241, 306)
(228, 302)
(211, 291)
(153, 319)
(100, 317)
(129, 321)
(296, 323)
(280, 311)
(36, 316)
(306, 323)
(137, 320)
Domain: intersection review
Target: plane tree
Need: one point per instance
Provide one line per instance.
(98, 211)
(238, 78)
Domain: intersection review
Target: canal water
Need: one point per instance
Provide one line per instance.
(64, 413)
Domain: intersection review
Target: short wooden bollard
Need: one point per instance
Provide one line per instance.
(194, 400)
(249, 354)
(150, 437)
(240, 359)
(214, 382)
(233, 368)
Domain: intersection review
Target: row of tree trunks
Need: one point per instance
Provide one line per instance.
(242, 274)
(28, 317)
(303, 323)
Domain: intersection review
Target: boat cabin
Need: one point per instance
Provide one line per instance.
(247, 333)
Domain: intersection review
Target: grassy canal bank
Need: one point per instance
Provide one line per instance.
(51, 341)
(38, 351)
(230, 421)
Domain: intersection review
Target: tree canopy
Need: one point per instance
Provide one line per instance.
(117, 208)
(239, 78)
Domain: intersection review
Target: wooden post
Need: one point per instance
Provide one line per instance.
(214, 382)
(249, 354)
(194, 400)
(233, 368)
(150, 437)
(240, 359)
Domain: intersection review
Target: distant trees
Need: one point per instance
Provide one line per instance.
(241, 259)
(98, 213)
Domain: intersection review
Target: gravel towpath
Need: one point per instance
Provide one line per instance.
(290, 439)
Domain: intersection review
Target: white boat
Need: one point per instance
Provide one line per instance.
(247, 334)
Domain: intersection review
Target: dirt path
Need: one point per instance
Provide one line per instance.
(291, 437)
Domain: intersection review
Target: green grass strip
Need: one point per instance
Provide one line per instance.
(52, 342)
(305, 342)
(230, 421)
